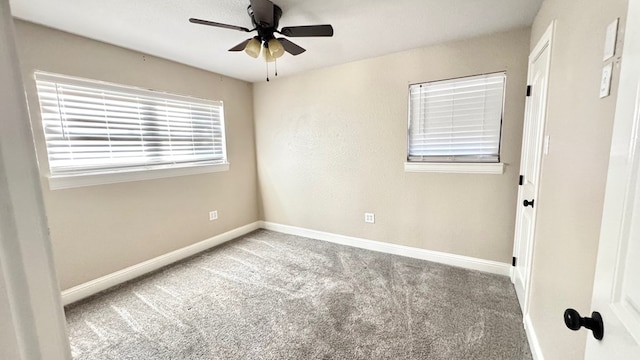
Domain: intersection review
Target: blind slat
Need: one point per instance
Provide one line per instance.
(456, 120)
(98, 127)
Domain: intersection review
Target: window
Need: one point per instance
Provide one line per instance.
(93, 127)
(456, 121)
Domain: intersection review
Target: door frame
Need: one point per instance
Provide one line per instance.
(546, 41)
(33, 321)
(620, 199)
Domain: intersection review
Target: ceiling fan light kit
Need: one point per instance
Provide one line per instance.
(265, 17)
(267, 55)
(275, 48)
(253, 48)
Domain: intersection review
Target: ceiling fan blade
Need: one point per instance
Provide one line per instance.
(263, 11)
(307, 31)
(241, 46)
(290, 47)
(220, 25)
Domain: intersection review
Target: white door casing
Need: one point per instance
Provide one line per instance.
(616, 293)
(530, 164)
(31, 313)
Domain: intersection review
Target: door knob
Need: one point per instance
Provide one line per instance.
(528, 203)
(574, 321)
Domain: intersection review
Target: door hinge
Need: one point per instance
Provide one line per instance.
(513, 261)
(528, 90)
(521, 181)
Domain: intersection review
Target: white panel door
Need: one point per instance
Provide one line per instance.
(616, 294)
(531, 158)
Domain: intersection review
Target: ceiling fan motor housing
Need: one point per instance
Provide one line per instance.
(266, 30)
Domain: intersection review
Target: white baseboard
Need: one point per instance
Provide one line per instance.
(95, 286)
(536, 350)
(467, 262)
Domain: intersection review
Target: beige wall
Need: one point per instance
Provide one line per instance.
(331, 145)
(97, 230)
(574, 173)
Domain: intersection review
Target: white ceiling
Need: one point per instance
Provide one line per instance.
(362, 28)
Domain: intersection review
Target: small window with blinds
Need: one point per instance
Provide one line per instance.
(457, 120)
(92, 127)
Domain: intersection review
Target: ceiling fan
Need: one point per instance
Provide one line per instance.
(265, 17)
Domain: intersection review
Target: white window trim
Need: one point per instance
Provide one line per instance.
(438, 164)
(82, 180)
(455, 168)
(138, 172)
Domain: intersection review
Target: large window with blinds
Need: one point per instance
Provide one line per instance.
(93, 127)
(457, 120)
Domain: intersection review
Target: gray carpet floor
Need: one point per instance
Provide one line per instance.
(273, 296)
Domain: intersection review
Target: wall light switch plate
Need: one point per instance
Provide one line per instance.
(213, 215)
(610, 40)
(605, 82)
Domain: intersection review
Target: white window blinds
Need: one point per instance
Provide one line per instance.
(456, 120)
(95, 127)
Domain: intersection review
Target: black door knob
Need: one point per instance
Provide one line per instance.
(528, 203)
(574, 321)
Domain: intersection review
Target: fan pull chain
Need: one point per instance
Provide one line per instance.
(275, 63)
(266, 62)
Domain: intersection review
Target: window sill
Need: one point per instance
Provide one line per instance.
(455, 168)
(74, 181)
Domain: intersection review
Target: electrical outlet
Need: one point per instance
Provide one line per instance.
(213, 215)
(370, 218)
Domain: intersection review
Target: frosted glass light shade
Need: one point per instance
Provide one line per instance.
(253, 48)
(275, 48)
(267, 55)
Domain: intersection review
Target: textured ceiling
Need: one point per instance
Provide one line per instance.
(363, 28)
